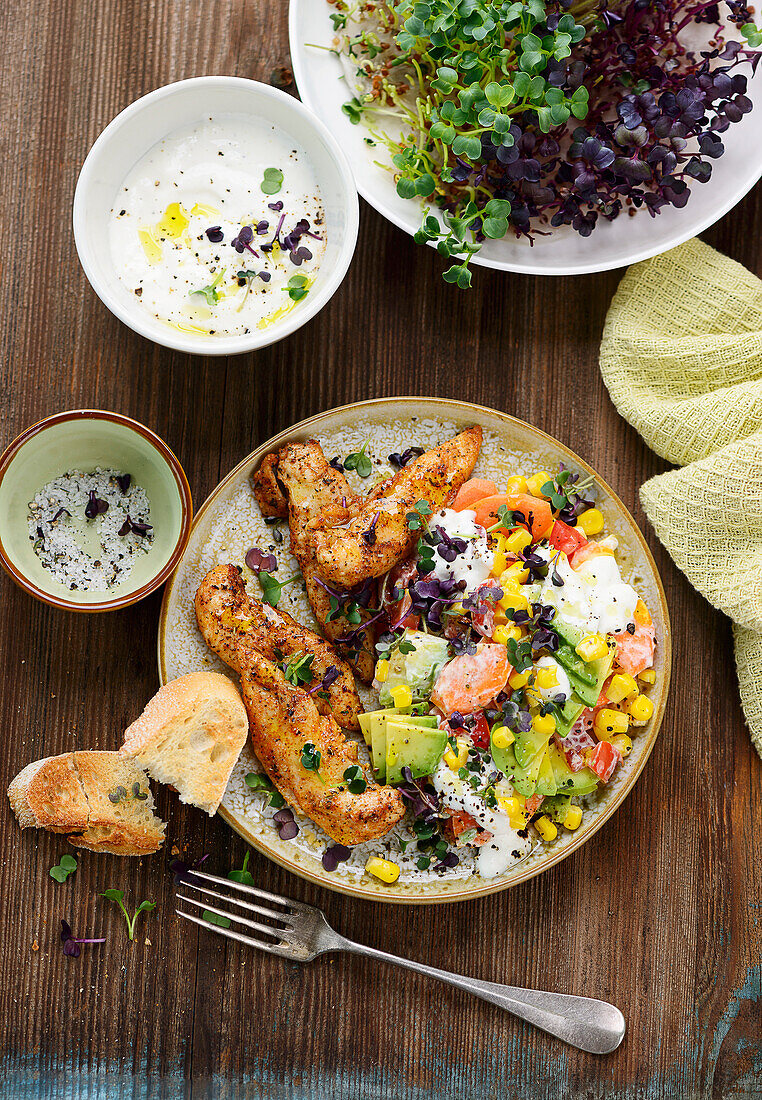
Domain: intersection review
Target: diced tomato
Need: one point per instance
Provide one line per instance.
(537, 513)
(635, 652)
(476, 489)
(591, 550)
(533, 804)
(399, 609)
(480, 731)
(604, 760)
(461, 822)
(472, 680)
(566, 538)
(577, 741)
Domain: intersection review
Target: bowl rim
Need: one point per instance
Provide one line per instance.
(231, 345)
(590, 267)
(170, 460)
(311, 425)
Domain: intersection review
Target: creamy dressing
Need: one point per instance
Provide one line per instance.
(474, 564)
(593, 597)
(179, 211)
(506, 845)
(561, 687)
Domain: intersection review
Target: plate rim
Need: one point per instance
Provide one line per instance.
(370, 892)
(550, 270)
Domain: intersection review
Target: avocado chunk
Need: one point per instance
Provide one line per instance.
(600, 669)
(586, 677)
(528, 745)
(523, 779)
(546, 780)
(568, 782)
(568, 714)
(417, 668)
(376, 720)
(411, 745)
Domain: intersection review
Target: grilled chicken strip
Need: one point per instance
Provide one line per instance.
(378, 537)
(237, 626)
(316, 491)
(283, 719)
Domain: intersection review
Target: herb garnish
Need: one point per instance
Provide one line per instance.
(66, 866)
(71, 946)
(359, 461)
(355, 779)
(119, 794)
(95, 506)
(210, 293)
(310, 757)
(298, 287)
(272, 181)
(257, 782)
(135, 526)
(272, 589)
(417, 518)
(298, 668)
(144, 907)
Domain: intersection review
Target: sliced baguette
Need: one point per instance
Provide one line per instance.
(190, 735)
(70, 794)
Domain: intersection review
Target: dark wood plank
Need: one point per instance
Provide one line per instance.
(659, 912)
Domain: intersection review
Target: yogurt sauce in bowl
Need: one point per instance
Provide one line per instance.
(219, 229)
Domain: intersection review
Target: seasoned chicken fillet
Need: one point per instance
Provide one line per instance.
(312, 489)
(378, 537)
(284, 718)
(234, 624)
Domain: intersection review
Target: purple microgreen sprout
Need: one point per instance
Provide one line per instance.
(59, 513)
(123, 481)
(243, 240)
(215, 234)
(71, 946)
(275, 206)
(144, 907)
(181, 870)
(95, 506)
(334, 855)
(285, 824)
(136, 527)
(257, 560)
(401, 460)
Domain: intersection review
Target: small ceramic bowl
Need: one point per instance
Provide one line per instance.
(147, 121)
(84, 439)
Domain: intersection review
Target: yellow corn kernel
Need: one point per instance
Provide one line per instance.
(382, 671)
(519, 679)
(536, 482)
(500, 544)
(517, 541)
(383, 869)
(499, 563)
(590, 522)
(642, 615)
(456, 760)
(546, 678)
(402, 696)
(622, 743)
(517, 571)
(608, 722)
(641, 709)
(502, 737)
(457, 609)
(572, 818)
(592, 647)
(648, 675)
(544, 723)
(516, 484)
(546, 828)
(620, 686)
(514, 808)
(514, 601)
(502, 634)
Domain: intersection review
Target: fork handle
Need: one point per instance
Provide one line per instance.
(584, 1022)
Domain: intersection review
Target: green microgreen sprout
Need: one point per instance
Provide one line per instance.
(66, 866)
(359, 461)
(520, 654)
(297, 287)
(272, 181)
(120, 794)
(310, 757)
(355, 780)
(210, 293)
(416, 520)
(257, 782)
(505, 519)
(272, 588)
(144, 907)
(298, 668)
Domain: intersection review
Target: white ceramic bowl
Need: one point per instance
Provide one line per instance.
(613, 244)
(145, 122)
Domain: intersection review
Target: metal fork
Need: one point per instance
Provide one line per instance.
(301, 932)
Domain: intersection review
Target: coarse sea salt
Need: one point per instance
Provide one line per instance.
(82, 553)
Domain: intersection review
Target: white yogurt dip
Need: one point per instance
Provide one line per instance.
(593, 596)
(219, 229)
(474, 563)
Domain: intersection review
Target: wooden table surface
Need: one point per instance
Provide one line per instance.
(659, 912)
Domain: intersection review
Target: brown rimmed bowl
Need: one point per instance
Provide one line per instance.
(83, 439)
(219, 535)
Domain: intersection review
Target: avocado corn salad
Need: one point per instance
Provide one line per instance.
(513, 674)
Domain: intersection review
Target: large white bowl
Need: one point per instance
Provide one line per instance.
(145, 122)
(613, 244)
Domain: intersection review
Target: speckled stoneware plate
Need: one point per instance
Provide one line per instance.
(229, 523)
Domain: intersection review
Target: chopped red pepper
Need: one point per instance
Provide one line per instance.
(604, 760)
(566, 538)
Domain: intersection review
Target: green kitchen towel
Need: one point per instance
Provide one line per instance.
(681, 356)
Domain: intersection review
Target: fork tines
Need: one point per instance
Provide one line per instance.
(282, 931)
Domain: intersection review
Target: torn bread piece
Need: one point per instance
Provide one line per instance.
(190, 735)
(102, 800)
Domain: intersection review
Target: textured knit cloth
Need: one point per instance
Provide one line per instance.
(682, 358)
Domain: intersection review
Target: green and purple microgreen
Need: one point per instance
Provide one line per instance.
(565, 495)
(211, 294)
(66, 866)
(246, 278)
(489, 96)
(506, 519)
(144, 907)
(72, 946)
(417, 519)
